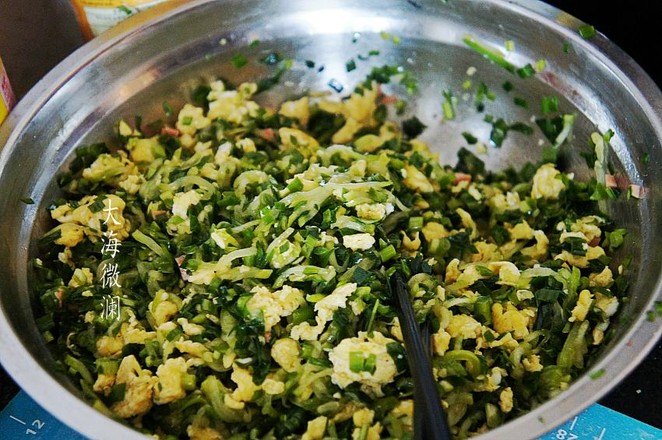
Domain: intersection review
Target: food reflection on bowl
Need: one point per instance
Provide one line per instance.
(144, 64)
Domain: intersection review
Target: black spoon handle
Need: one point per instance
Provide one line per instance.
(426, 397)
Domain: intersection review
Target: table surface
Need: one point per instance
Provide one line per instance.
(35, 35)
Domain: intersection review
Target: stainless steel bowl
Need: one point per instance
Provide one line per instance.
(161, 54)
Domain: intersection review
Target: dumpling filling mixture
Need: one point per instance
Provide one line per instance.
(226, 277)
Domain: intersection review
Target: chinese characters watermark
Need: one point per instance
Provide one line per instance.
(110, 275)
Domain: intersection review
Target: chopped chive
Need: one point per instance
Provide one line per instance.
(549, 104)
(295, 185)
(370, 363)
(387, 253)
(526, 71)
(587, 31)
(350, 65)
(597, 374)
(540, 65)
(167, 108)
(447, 105)
(508, 86)
(470, 138)
(254, 44)
(566, 47)
(521, 102)
(239, 60)
(645, 158)
(356, 361)
(492, 55)
(27, 200)
(400, 106)
(124, 9)
(415, 224)
(310, 64)
(187, 120)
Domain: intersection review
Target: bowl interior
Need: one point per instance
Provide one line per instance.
(163, 54)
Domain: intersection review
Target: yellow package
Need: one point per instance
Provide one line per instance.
(6, 94)
(97, 16)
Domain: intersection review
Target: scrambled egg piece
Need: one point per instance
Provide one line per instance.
(602, 279)
(492, 380)
(203, 433)
(161, 308)
(467, 221)
(505, 202)
(405, 411)
(315, 429)
(506, 400)
(82, 219)
(371, 211)
(285, 352)
(416, 180)
(464, 326)
(546, 183)
(521, 231)
(139, 389)
(486, 252)
(104, 383)
(274, 305)
(112, 169)
(182, 201)
(452, 271)
(298, 109)
(371, 383)
(131, 332)
(294, 138)
(582, 307)
(581, 261)
(362, 241)
(170, 381)
(511, 320)
(325, 309)
(532, 363)
(81, 277)
(441, 341)
(608, 304)
(362, 417)
(191, 119)
(246, 388)
(589, 226)
(538, 251)
(433, 230)
(358, 111)
(145, 150)
(232, 105)
(509, 274)
(411, 245)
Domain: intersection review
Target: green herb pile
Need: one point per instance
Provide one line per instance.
(251, 249)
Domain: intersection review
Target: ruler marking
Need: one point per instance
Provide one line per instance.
(572, 425)
(602, 433)
(18, 420)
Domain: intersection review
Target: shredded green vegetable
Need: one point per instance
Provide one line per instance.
(227, 277)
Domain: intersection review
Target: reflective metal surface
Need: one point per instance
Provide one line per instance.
(163, 53)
